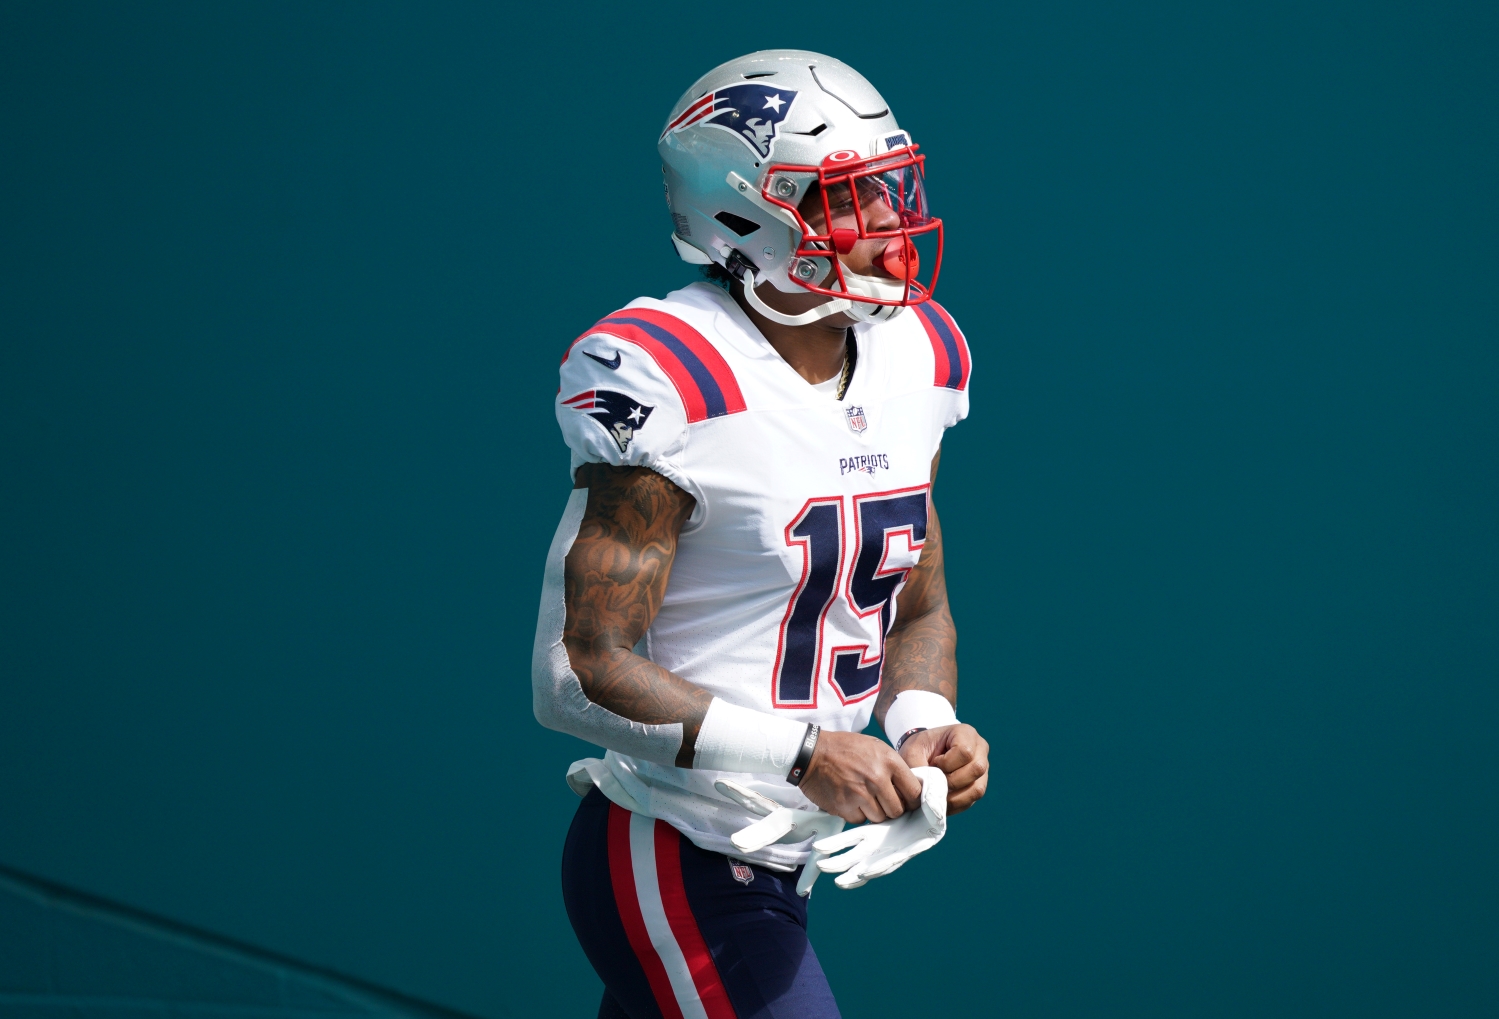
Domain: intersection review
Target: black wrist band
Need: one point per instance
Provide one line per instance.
(902, 741)
(804, 755)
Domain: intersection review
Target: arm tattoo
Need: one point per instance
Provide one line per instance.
(614, 580)
(921, 648)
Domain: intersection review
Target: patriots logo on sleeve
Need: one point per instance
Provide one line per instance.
(751, 111)
(620, 414)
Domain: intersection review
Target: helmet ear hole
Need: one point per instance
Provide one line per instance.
(741, 226)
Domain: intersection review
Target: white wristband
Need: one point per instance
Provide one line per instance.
(747, 741)
(917, 709)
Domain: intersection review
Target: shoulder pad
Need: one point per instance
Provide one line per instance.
(634, 382)
(616, 406)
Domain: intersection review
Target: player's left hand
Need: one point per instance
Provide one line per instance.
(963, 756)
(874, 850)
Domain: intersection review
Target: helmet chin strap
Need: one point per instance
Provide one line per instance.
(822, 311)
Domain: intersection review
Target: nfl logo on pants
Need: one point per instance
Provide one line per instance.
(741, 872)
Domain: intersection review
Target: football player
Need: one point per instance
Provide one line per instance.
(750, 564)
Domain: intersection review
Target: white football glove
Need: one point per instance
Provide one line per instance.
(875, 850)
(779, 824)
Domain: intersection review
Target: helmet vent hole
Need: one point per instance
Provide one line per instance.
(741, 226)
(759, 74)
(819, 129)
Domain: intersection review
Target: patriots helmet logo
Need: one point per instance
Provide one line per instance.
(620, 414)
(751, 111)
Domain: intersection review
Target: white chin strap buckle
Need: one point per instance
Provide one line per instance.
(833, 306)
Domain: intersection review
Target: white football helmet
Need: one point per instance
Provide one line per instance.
(750, 139)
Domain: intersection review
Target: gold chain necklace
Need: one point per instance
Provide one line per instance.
(850, 356)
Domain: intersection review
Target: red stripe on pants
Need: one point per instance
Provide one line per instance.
(684, 925)
(622, 876)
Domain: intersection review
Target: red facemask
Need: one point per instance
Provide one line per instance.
(869, 199)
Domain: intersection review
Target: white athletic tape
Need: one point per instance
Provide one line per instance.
(917, 709)
(743, 740)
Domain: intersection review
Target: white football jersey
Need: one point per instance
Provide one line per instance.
(809, 513)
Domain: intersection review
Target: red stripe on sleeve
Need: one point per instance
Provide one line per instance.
(688, 387)
(681, 378)
(705, 978)
(943, 369)
(622, 876)
(962, 342)
(706, 352)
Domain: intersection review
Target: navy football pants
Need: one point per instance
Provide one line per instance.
(673, 933)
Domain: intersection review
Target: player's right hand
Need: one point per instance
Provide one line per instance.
(859, 778)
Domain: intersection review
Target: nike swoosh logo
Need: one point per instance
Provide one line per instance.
(611, 365)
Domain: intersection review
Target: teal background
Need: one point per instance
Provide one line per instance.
(283, 292)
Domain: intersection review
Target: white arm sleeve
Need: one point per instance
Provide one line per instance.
(615, 407)
(731, 738)
(557, 697)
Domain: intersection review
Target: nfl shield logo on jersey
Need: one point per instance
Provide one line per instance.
(741, 872)
(619, 413)
(856, 419)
